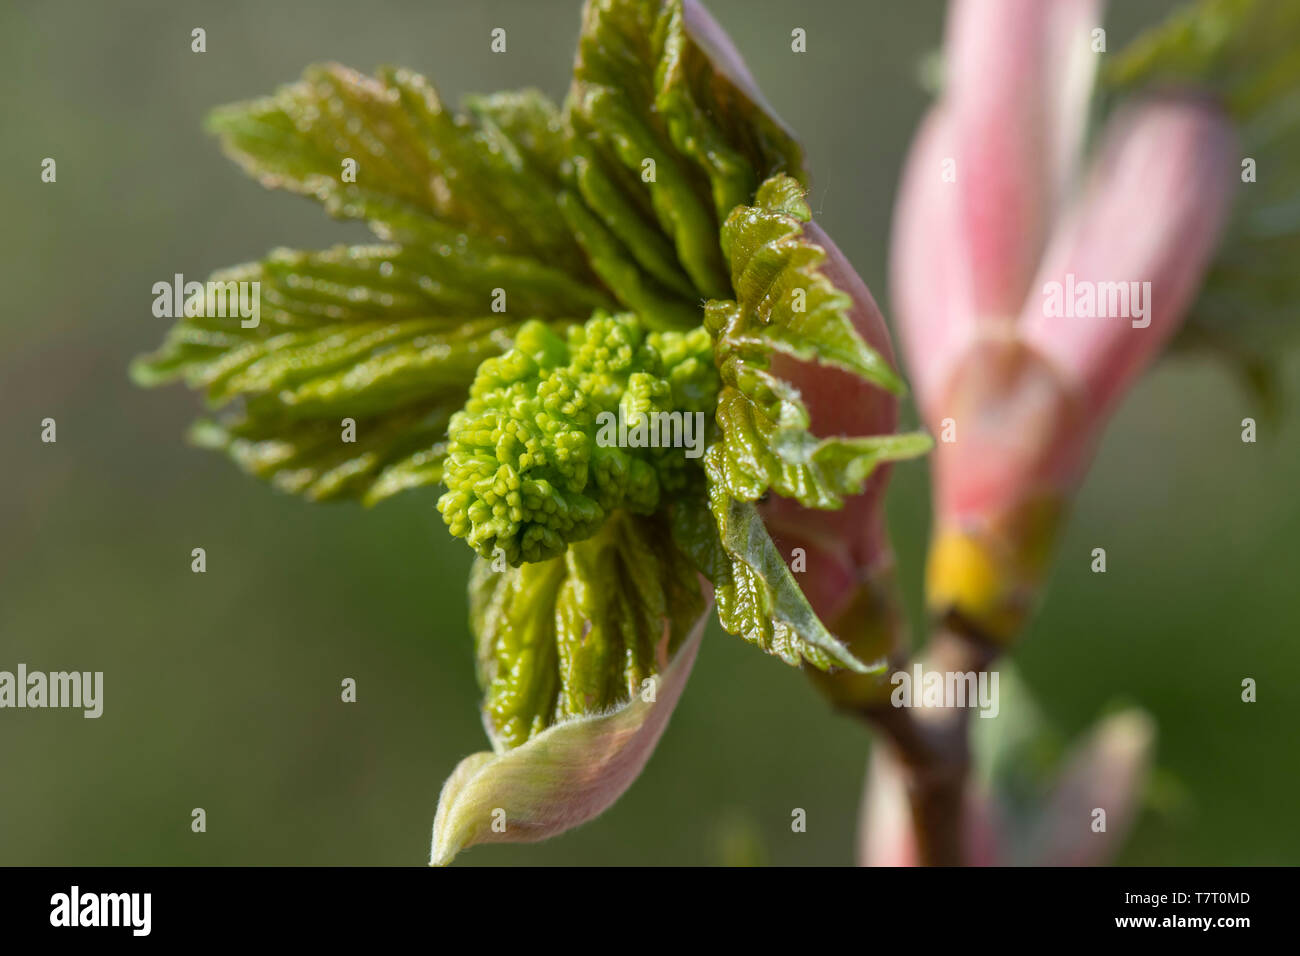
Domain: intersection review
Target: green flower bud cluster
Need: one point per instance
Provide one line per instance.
(533, 460)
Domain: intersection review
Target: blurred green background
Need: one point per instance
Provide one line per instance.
(222, 689)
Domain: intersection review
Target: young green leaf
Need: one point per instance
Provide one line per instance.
(563, 776)
(504, 198)
(391, 453)
(665, 142)
(387, 336)
(784, 304)
(582, 633)
(423, 173)
(757, 597)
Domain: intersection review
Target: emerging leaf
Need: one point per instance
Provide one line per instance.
(560, 778)
(424, 173)
(538, 269)
(507, 196)
(784, 304)
(582, 633)
(757, 597)
(388, 336)
(665, 143)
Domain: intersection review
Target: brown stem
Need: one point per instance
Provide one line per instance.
(933, 750)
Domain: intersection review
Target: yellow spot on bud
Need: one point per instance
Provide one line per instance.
(963, 576)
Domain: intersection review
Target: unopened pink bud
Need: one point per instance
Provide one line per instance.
(1127, 261)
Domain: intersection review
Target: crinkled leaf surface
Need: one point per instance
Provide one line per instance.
(784, 304)
(388, 335)
(664, 145)
(1246, 53)
(615, 204)
(581, 633)
(757, 597)
(378, 334)
(507, 193)
(424, 173)
(560, 778)
(581, 659)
